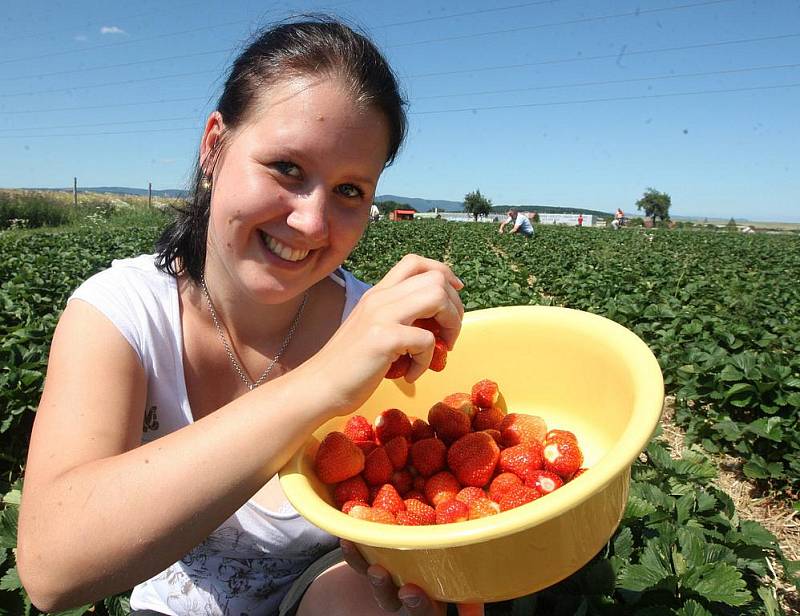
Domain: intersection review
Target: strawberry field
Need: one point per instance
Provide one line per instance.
(721, 312)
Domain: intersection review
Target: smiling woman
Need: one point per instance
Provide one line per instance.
(180, 383)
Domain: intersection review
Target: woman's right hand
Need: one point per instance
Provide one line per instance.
(379, 330)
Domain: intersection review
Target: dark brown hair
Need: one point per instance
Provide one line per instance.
(320, 45)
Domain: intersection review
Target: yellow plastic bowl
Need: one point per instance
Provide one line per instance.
(577, 370)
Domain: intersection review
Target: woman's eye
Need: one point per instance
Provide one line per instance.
(287, 168)
(350, 190)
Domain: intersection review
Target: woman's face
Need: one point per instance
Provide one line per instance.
(293, 187)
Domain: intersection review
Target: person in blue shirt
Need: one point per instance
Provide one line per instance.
(519, 223)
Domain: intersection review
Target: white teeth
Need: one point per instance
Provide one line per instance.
(282, 250)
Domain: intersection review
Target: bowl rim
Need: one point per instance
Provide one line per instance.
(648, 402)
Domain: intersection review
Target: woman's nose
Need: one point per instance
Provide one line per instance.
(309, 215)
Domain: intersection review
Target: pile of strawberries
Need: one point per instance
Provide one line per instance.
(469, 460)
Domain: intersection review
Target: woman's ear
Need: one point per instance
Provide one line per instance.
(212, 134)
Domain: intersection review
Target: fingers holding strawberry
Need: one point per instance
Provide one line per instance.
(401, 327)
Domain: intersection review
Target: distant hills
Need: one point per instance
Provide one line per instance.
(170, 193)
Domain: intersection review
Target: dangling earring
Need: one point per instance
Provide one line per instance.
(205, 183)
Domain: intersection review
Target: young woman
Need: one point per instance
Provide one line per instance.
(180, 383)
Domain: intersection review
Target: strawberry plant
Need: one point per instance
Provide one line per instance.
(720, 311)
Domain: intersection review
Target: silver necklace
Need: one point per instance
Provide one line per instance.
(251, 385)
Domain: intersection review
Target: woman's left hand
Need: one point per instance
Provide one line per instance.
(408, 596)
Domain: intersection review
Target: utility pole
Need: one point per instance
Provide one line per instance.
(75, 192)
(149, 194)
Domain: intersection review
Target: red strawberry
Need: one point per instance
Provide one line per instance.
(420, 429)
(544, 481)
(358, 428)
(399, 367)
(449, 423)
(488, 418)
(441, 486)
(461, 402)
(387, 498)
(560, 434)
(495, 434)
(419, 484)
(517, 496)
(337, 458)
(469, 494)
(562, 456)
(485, 393)
(431, 324)
(397, 450)
(351, 489)
(482, 508)
(439, 359)
(521, 459)
(350, 504)
(391, 423)
(406, 518)
(421, 510)
(372, 514)
(519, 428)
(473, 458)
(428, 456)
(366, 446)
(414, 494)
(501, 484)
(378, 468)
(451, 510)
(402, 481)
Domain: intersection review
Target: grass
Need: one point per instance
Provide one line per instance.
(31, 209)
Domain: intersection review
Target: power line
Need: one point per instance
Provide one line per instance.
(607, 100)
(635, 13)
(603, 56)
(424, 75)
(611, 81)
(464, 14)
(122, 65)
(181, 118)
(123, 132)
(464, 109)
(434, 96)
(104, 84)
(109, 106)
(231, 49)
(571, 22)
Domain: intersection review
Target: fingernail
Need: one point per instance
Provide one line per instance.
(411, 600)
(375, 580)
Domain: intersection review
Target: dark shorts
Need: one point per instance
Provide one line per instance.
(291, 601)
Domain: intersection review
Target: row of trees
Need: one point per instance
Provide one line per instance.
(654, 203)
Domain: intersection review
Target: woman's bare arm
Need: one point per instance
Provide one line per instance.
(99, 513)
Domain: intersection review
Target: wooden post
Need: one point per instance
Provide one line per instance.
(75, 192)
(149, 194)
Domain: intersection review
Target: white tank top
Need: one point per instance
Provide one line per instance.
(248, 563)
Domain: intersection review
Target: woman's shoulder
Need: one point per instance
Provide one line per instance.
(129, 285)
(138, 271)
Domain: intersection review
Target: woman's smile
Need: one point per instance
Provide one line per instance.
(285, 252)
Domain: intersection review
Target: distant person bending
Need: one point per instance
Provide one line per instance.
(619, 219)
(519, 224)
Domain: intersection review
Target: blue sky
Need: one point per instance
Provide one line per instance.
(557, 102)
